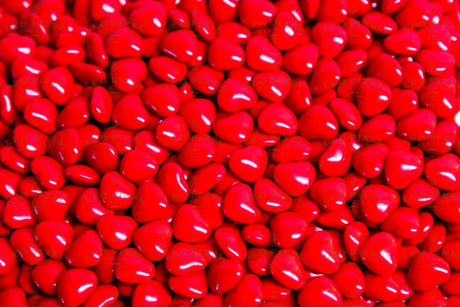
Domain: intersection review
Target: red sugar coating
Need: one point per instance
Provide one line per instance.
(229, 153)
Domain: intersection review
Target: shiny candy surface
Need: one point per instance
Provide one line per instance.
(229, 153)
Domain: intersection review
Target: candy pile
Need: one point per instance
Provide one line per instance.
(229, 153)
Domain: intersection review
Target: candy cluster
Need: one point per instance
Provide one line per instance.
(231, 153)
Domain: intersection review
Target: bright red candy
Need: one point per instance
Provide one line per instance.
(8, 257)
(50, 205)
(141, 18)
(442, 172)
(57, 85)
(320, 291)
(295, 178)
(85, 251)
(150, 290)
(434, 268)
(137, 165)
(172, 180)
(116, 231)
(373, 96)
(75, 293)
(377, 202)
(239, 204)
(249, 163)
(378, 253)
(53, 237)
(272, 85)
(153, 240)
(249, 287)
(301, 59)
(325, 76)
(115, 191)
(255, 14)
(401, 168)
(287, 269)
(167, 69)
(189, 225)
(224, 54)
(319, 253)
(184, 258)
(229, 153)
(149, 203)
(330, 39)
(288, 229)
(45, 275)
(49, 172)
(131, 267)
(329, 193)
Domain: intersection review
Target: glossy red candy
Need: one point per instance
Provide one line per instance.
(442, 172)
(377, 202)
(49, 172)
(45, 275)
(224, 54)
(116, 231)
(288, 229)
(287, 269)
(349, 280)
(329, 193)
(249, 287)
(190, 158)
(273, 85)
(430, 265)
(41, 114)
(149, 196)
(325, 76)
(319, 253)
(239, 205)
(189, 225)
(378, 253)
(382, 288)
(172, 133)
(373, 96)
(301, 59)
(295, 178)
(29, 142)
(417, 126)
(167, 69)
(249, 163)
(318, 123)
(115, 191)
(53, 237)
(132, 267)
(234, 127)
(9, 258)
(57, 85)
(233, 272)
(75, 293)
(229, 153)
(149, 291)
(276, 119)
(50, 205)
(172, 180)
(184, 258)
(319, 291)
(140, 17)
(330, 39)
(88, 242)
(401, 168)
(158, 234)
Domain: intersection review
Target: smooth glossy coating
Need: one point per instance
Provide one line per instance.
(229, 153)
